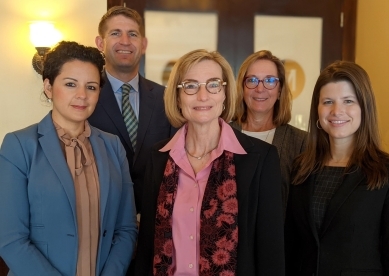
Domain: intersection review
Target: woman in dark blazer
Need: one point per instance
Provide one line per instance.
(66, 197)
(337, 219)
(212, 203)
(265, 109)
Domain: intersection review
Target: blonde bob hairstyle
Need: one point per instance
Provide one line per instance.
(180, 68)
(282, 112)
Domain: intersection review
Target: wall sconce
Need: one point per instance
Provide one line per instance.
(43, 36)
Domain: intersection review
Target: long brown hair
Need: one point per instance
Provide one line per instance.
(367, 154)
(283, 106)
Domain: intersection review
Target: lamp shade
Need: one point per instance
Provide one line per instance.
(44, 34)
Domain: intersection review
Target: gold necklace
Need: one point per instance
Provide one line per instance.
(198, 157)
(267, 136)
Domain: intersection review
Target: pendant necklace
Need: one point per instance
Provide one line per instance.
(198, 157)
(267, 136)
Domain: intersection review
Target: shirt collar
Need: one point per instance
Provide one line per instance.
(117, 84)
(228, 140)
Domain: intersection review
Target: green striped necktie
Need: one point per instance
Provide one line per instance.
(129, 115)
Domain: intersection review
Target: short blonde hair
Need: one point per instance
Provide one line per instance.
(180, 68)
(282, 107)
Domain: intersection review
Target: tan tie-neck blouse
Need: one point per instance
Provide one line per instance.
(79, 156)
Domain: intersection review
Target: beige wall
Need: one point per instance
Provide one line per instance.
(20, 85)
(372, 53)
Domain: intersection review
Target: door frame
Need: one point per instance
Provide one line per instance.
(236, 26)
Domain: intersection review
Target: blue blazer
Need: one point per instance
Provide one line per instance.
(38, 225)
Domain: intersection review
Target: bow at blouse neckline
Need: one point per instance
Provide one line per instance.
(77, 155)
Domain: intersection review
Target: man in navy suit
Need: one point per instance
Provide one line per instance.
(123, 42)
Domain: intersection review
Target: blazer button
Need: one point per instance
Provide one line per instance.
(104, 233)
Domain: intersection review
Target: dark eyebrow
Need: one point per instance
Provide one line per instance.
(89, 82)
(68, 78)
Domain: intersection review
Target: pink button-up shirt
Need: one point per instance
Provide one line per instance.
(190, 192)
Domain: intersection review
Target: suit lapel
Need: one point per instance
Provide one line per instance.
(307, 198)
(159, 167)
(245, 165)
(146, 107)
(279, 138)
(101, 157)
(349, 184)
(50, 145)
(110, 105)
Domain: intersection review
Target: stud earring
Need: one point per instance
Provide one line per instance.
(49, 100)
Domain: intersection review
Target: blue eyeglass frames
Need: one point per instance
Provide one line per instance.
(268, 82)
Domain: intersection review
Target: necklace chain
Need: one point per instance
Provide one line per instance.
(198, 157)
(267, 135)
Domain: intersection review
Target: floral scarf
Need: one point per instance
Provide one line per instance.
(218, 220)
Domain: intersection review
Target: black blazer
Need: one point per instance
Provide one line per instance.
(354, 238)
(260, 219)
(290, 142)
(153, 126)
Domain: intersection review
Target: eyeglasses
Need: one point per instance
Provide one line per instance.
(268, 82)
(213, 86)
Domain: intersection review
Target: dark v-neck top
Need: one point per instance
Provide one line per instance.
(327, 183)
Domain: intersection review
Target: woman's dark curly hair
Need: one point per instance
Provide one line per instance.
(66, 51)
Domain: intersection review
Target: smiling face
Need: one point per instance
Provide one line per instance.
(74, 93)
(259, 100)
(339, 111)
(203, 107)
(123, 46)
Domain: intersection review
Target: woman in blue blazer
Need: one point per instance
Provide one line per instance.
(66, 196)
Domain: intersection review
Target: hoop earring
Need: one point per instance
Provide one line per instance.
(317, 124)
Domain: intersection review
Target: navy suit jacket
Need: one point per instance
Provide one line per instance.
(153, 126)
(38, 224)
(260, 219)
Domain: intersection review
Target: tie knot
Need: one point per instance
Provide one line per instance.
(126, 88)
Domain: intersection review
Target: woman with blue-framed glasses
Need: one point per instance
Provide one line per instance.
(265, 109)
